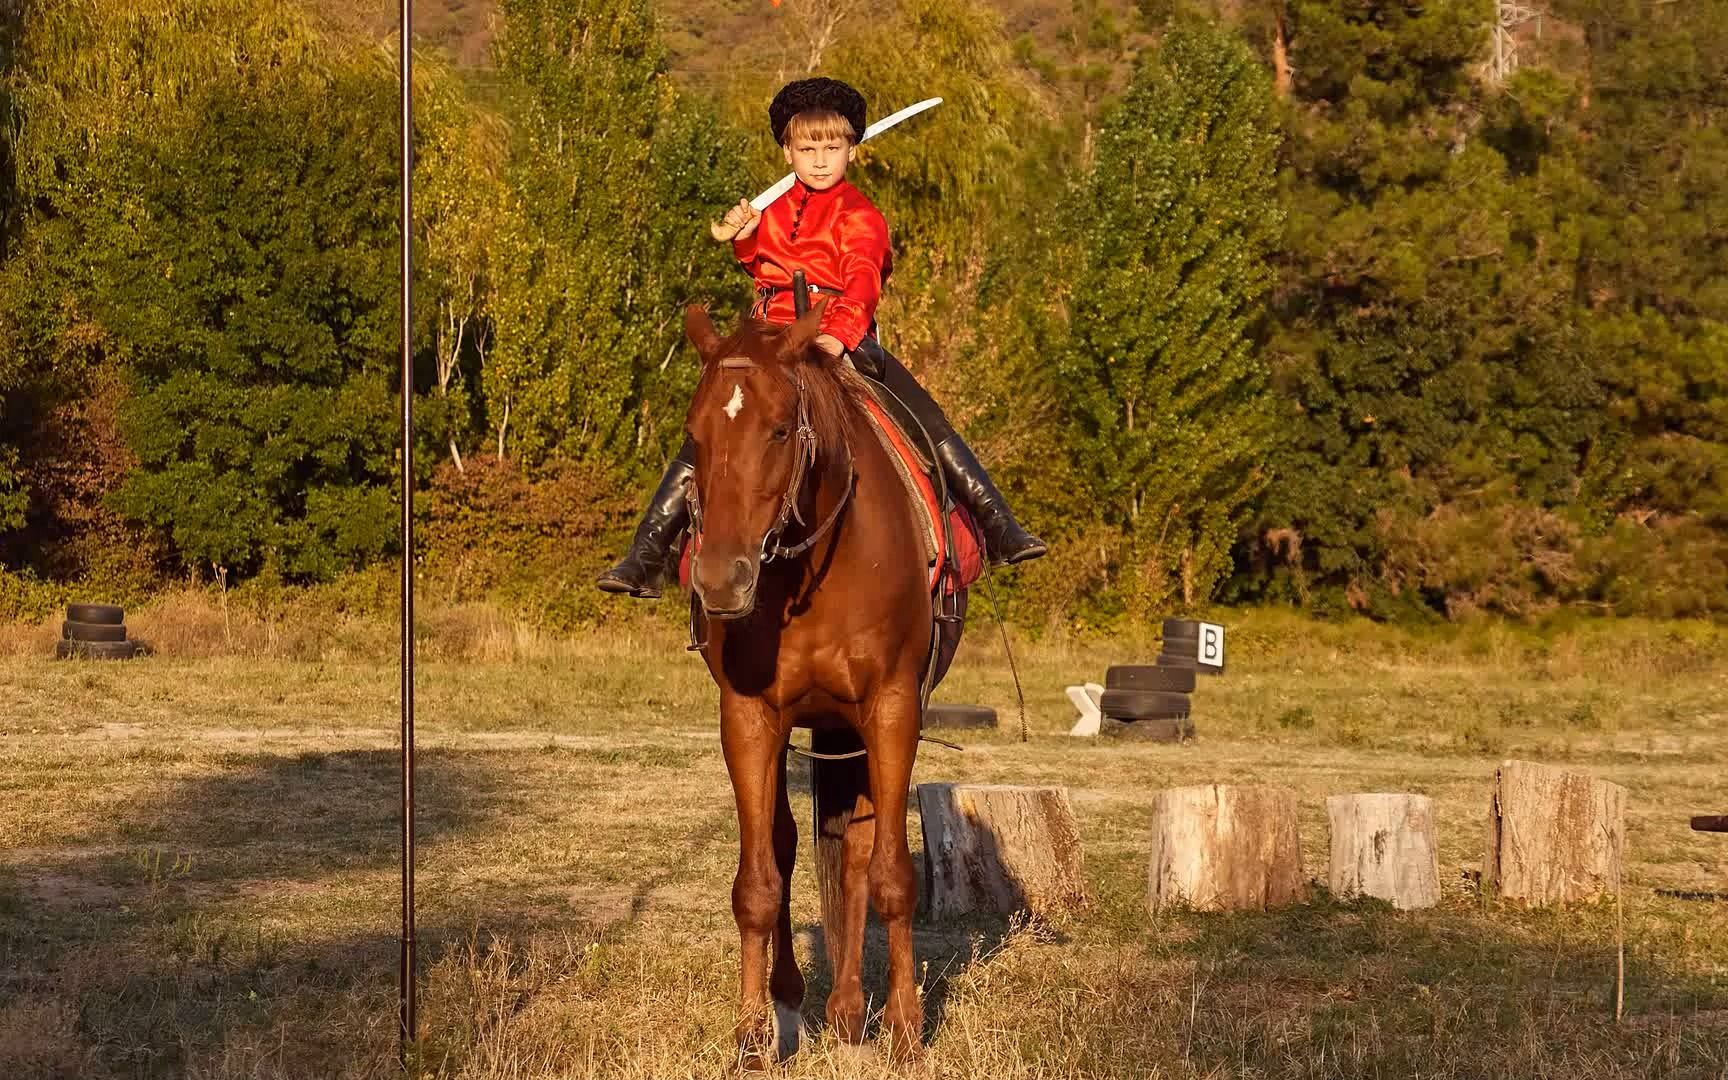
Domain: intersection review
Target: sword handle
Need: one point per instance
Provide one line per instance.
(800, 293)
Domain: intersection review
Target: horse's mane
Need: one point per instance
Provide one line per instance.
(834, 390)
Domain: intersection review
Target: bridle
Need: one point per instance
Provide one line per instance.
(805, 459)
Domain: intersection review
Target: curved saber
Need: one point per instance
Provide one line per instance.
(784, 184)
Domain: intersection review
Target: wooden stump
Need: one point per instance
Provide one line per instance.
(1221, 847)
(1553, 835)
(994, 849)
(1383, 846)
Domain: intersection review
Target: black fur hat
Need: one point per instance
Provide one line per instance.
(808, 95)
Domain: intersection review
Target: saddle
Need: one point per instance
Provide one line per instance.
(953, 546)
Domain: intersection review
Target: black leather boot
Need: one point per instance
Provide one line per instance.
(1005, 541)
(643, 569)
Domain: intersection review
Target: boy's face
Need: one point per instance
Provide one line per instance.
(820, 163)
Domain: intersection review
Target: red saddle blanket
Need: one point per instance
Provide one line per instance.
(932, 545)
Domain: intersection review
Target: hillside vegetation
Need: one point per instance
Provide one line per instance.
(1258, 301)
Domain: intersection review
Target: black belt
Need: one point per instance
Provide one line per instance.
(768, 292)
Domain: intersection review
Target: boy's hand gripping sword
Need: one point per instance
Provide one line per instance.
(784, 184)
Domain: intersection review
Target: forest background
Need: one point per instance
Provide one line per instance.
(1355, 305)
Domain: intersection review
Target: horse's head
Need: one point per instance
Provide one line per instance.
(765, 394)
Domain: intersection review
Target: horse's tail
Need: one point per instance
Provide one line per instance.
(835, 787)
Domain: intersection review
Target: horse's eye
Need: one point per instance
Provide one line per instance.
(781, 433)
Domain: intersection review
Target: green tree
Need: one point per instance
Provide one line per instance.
(80, 76)
(611, 178)
(1423, 347)
(250, 286)
(459, 210)
(1655, 148)
(11, 26)
(1169, 420)
(14, 499)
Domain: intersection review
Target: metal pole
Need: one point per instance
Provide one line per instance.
(406, 1025)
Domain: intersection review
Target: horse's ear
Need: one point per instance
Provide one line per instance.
(805, 329)
(699, 328)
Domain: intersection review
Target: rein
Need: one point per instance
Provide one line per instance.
(772, 548)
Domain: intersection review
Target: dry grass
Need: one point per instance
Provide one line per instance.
(198, 860)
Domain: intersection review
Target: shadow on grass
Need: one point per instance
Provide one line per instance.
(272, 953)
(1523, 957)
(1358, 989)
(225, 909)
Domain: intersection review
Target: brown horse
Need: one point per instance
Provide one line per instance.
(812, 586)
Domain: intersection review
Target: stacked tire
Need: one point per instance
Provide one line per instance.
(1148, 702)
(1152, 701)
(1181, 644)
(94, 632)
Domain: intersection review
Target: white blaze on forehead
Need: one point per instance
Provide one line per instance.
(734, 406)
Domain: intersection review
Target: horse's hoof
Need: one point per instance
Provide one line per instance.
(787, 1025)
(846, 1019)
(756, 1053)
(902, 1048)
(753, 1061)
(856, 1053)
(756, 1047)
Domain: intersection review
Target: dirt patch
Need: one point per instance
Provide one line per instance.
(52, 889)
(39, 1037)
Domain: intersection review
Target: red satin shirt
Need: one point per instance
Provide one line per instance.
(838, 238)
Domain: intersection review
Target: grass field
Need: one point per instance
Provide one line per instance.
(198, 864)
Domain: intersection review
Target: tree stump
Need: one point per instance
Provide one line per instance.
(1553, 836)
(1383, 846)
(1221, 847)
(994, 849)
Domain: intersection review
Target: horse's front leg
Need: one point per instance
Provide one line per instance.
(751, 738)
(785, 981)
(893, 741)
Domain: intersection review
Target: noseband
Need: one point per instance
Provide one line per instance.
(772, 548)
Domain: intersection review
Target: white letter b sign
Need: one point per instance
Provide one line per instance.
(1211, 652)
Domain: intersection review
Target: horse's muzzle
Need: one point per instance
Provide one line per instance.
(726, 586)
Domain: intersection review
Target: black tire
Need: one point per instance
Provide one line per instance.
(959, 716)
(92, 631)
(1186, 629)
(1146, 677)
(95, 650)
(1182, 647)
(1143, 704)
(1166, 730)
(1174, 660)
(106, 614)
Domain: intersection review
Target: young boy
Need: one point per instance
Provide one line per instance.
(827, 228)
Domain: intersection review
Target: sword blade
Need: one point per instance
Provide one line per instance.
(904, 114)
(784, 184)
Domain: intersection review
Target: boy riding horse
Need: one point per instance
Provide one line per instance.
(828, 229)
